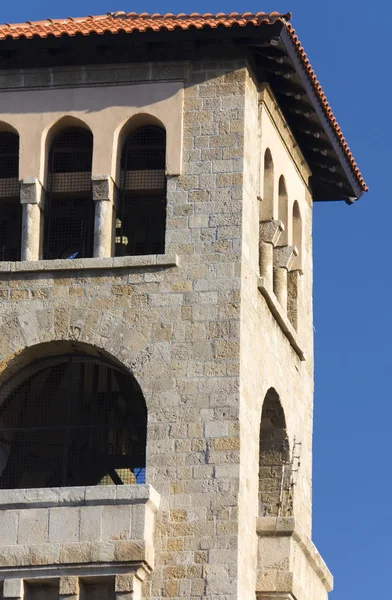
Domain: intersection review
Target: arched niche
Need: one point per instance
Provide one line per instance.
(275, 489)
(297, 236)
(70, 416)
(267, 205)
(283, 209)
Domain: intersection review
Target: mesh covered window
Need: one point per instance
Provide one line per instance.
(141, 219)
(72, 420)
(69, 222)
(10, 207)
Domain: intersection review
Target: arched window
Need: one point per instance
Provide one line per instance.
(297, 236)
(283, 210)
(69, 212)
(10, 207)
(141, 218)
(72, 420)
(275, 485)
(267, 207)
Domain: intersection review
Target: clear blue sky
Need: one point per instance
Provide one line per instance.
(348, 43)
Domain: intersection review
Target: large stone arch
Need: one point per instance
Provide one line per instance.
(26, 336)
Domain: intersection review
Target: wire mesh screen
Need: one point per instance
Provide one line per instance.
(10, 229)
(69, 226)
(10, 208)
(141, 220)
(72, 421)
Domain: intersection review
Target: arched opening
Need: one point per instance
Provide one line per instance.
(11, 209)
(283, 210)
(69, 420)
(69, 210)
(267, 207)
(141, 215)
(297, 235)
(275, 484)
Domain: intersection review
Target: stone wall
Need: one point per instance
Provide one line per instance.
(176, 326)
(197, 334)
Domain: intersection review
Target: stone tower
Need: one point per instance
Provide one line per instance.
(157, 175)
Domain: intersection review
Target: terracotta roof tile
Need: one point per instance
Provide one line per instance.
(129, 22)
(120, 21)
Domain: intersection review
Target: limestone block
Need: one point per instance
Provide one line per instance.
(69, 586)
(33, 526)
(13, 588)
(64, 524)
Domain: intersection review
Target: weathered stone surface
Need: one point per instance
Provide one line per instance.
(204, 344)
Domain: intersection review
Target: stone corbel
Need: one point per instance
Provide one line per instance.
(269, 234)
(104, 191)
(284, 257)
(32, 198)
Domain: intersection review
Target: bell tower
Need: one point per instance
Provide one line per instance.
(157, 178)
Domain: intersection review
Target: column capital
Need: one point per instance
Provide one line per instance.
(103, 188)
(284, 257)
(31, 191)
(270, 231)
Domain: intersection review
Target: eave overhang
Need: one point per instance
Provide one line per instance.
(268, 41)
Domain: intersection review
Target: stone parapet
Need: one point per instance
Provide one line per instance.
(79, 526)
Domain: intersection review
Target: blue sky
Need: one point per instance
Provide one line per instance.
(348, 46)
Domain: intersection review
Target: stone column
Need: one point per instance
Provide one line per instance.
(103, 196)
(69, 588)
(283, 261)
(13, 589)
(293, 296)
(32, 199)
(269, 234)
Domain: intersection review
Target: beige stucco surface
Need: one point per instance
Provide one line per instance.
(105, 110)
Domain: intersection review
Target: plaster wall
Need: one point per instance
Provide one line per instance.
(105, 110)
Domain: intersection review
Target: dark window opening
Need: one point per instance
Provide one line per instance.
(141, 218)
(69, 213)
(11, 209)
(72, 420)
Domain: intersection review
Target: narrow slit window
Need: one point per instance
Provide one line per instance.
(69, 222)
(11, 209)
(141, 218)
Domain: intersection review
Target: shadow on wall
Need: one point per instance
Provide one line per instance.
(275, 484)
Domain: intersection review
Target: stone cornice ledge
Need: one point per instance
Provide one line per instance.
(288, 526)
(77, 264)
(280, 317)
(96, 495)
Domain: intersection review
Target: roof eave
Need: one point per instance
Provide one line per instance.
(357, 189)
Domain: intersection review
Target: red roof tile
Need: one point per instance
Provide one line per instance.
(129, 22)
